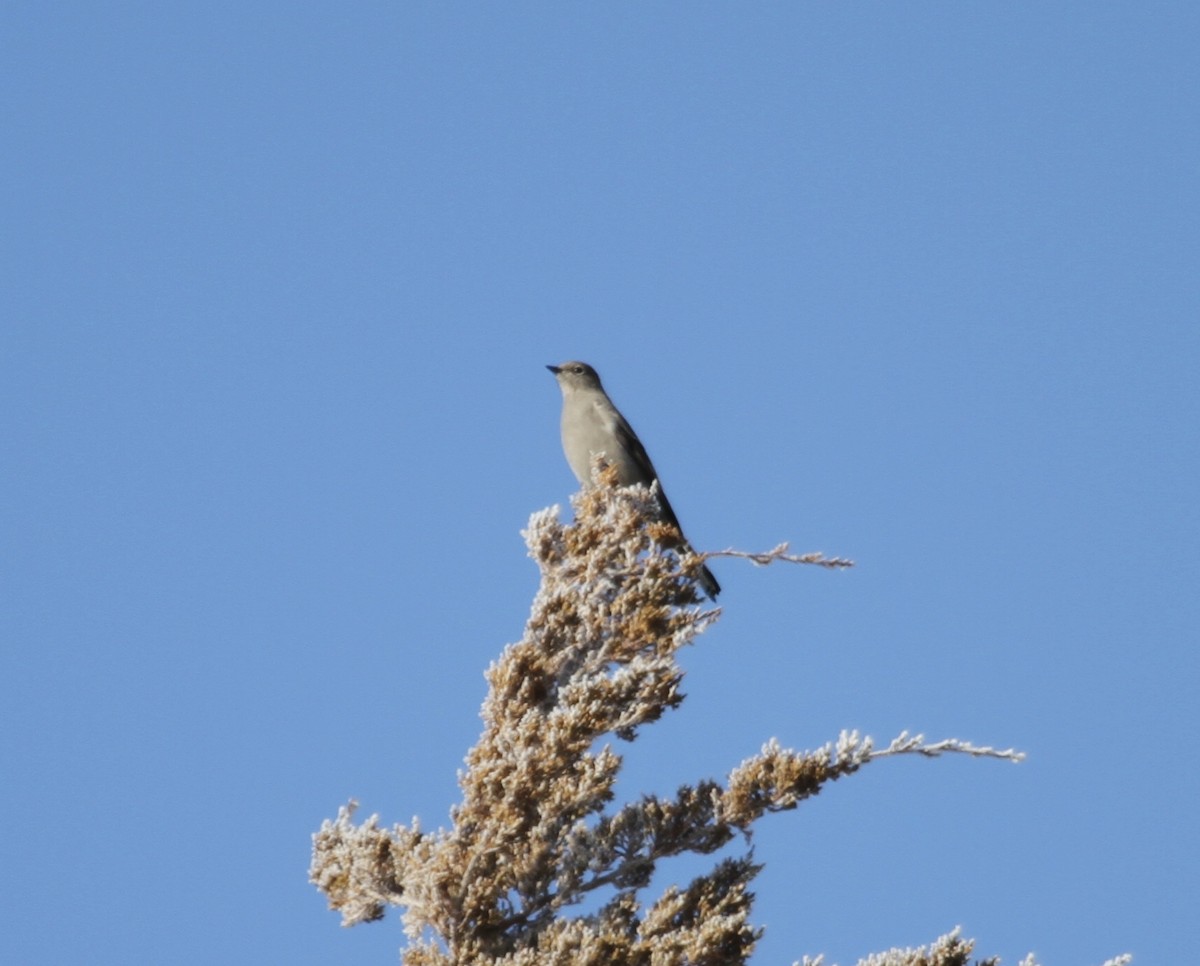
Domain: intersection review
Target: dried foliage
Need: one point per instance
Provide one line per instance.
(537, 833)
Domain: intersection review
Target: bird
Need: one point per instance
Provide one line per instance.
(592, 425)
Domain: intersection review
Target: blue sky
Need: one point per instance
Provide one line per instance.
(910, 283)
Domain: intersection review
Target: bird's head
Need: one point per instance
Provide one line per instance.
(575, 375)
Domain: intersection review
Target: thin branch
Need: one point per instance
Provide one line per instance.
(905, 744)
(779, 554)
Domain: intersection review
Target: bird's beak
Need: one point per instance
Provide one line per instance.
(555, 369)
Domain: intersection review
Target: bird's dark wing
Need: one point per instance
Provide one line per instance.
(637, 452)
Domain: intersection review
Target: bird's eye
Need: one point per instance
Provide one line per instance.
(577, 370)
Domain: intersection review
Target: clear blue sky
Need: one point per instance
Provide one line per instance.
(911, 283)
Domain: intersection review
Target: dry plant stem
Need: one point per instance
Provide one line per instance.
(536, 831)
(779, 554)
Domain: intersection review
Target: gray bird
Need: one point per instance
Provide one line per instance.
(591, 424)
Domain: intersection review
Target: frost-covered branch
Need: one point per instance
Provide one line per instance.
(780, 554)
(537, 830)
(948, 950)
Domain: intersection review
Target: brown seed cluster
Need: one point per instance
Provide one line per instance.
(537, 831)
